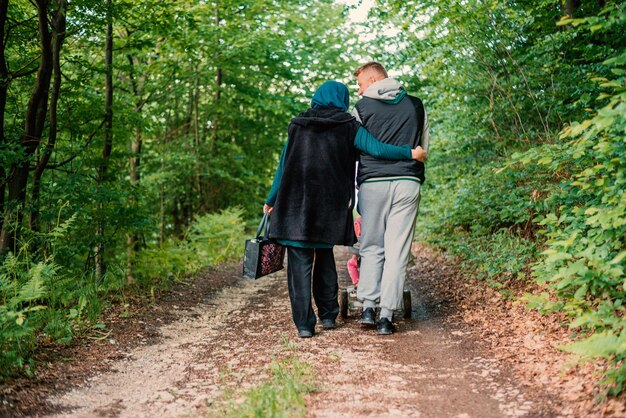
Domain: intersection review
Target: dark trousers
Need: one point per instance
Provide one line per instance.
(320, 264)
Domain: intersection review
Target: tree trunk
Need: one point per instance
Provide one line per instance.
(135, 158)
(36, 111)
(189, 116)
(570, 7)
(134, 165)
(218, 84)
(187, 209)
(162, 209)
(198, 154)
(196, 117)
(133, 239)
(218, 80)
(107, 147)
(177, 218)
(58, 35)
(4, 87)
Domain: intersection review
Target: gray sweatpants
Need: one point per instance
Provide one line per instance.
(388, 210)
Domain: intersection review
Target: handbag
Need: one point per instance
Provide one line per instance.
(262, 256)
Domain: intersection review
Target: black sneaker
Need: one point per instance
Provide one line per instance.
(384, 327)
(328, 324)
(305, 333)
(368, 317)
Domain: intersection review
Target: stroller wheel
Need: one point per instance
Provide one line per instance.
(343, 303)
(406, 302)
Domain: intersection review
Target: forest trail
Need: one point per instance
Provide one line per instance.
(436, 365)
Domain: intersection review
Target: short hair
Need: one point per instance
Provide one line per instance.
(372, 65)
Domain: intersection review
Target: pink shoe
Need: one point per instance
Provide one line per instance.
(357, 226)
(353, 270)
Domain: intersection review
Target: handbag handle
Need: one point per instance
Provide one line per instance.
(262, 231)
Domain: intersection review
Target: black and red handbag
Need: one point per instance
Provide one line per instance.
(262, 255)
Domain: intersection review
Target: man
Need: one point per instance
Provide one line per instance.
(388, 192)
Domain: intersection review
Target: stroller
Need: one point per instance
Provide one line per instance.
(348, 301)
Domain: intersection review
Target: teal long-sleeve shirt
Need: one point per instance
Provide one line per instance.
(363, 141)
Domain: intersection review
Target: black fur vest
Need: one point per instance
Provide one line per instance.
(316, 193)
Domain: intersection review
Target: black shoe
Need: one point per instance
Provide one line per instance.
(328, 324)
(368, 317)
(384, 327)
(305, 333)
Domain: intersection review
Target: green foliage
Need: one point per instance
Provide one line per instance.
(514, 186)
(484, 216)
(217, 237)
(24, 294)
(202, 95)
(584, 261)
(39, 302)
(499, 256)
(482, 201)
(212, 239)
(161, 264)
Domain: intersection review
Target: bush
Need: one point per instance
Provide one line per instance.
(585, 257)
(218, 237)
(211, 239)
(43, 301)
(483, 215)
(24, 294)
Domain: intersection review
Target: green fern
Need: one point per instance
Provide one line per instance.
(35, 288)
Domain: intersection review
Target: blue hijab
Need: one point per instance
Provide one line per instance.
(331, 93)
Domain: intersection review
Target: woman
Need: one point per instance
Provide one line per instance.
(312, 198)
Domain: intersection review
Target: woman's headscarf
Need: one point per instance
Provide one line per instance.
(332, 93)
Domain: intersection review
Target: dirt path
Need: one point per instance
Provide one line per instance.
(436, 365)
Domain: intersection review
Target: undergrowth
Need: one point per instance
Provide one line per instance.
(554, 214)
(42, 301)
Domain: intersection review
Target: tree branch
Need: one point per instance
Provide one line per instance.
(70, 159)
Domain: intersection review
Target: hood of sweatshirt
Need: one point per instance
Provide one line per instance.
(388, 89)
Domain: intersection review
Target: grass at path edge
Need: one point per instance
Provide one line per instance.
(281, 395)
